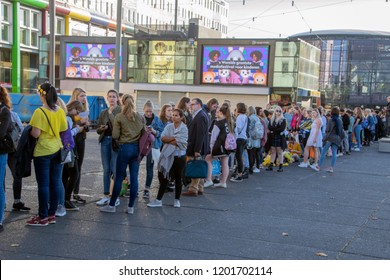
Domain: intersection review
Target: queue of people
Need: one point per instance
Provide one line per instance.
(241, 140)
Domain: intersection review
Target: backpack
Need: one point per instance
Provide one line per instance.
(257, 132)
(365, 123)
(230, 142)
(145, 144)
(264, 139)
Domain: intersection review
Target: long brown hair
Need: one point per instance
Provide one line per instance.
(182, 103)
(128, 109)
(4, 97)
(162, 116)
(225, 110)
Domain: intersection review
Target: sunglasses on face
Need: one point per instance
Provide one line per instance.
(278, 111)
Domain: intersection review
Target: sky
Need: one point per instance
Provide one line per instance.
(279, 18)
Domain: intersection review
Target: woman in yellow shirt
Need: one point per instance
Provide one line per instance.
(47, 122)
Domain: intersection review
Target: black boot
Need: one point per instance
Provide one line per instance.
(280, 168)
(269, 168)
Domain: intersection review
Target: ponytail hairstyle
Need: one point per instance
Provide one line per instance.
(128, 109)
(47, 91)
(225, 110)
(4, 97)
(149, 104)
(181, 114)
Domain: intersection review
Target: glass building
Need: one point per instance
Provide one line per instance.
(354, 66)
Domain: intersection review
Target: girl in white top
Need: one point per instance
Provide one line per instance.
(314, 140)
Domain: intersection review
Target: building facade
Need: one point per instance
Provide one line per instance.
(24, 26)
(354, 67)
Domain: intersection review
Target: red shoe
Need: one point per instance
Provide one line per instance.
(51, 219)
(38, 222)
(188, 193)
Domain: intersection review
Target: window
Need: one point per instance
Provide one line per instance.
(5, 23)
(30, 26)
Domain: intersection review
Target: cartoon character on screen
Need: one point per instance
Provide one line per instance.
(245, 76)
(256, 60)
(208, 77)
(71, 72)
(84, 70)
(94, 72)
(104, 72)
(223, 75)
(111, 53)
(260, 79)
(214, 55)
(75, 51)
(235, 55)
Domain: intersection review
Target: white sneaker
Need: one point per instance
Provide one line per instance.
(155, 203)
(330, 170)
(61, 211)
(108, 209)
(208, 184)
(117, 202)
(220, 185)
(357, 150)
(104, 201)
(176, 203)
(303, 164)
(256, 170)
(314, 167)
(130, 210)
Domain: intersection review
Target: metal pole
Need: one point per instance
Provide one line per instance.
(118, 43)
(52, 66)
(176, 7)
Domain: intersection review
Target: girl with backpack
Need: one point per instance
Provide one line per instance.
(222, 127)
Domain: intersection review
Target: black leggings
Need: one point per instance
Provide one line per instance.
(176, 173)
(241, 143)
(80, 146)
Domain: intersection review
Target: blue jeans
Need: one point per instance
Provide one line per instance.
(149, 170)
(325, 150)
(357, 131)
(350, 141)
(47, 173)
(61, 190)
(109, 158)
(127, 156)
(3, 164)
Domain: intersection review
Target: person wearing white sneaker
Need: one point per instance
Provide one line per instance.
(314, 141)
(334, 136)
(173, 156)
(155, 203)
(108, 209)
(176, 203)
(108, 148)
(103, 201)
(222, 126)
(220, 185)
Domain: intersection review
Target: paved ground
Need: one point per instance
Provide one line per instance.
(291, 215)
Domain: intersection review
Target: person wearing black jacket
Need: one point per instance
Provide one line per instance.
(198, 142)
(346, 121)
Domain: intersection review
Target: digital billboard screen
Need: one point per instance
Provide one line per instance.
(235, 65)
(90, 61)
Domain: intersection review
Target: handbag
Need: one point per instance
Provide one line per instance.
(7, 145)
(114, 142)
(196, 169)
(63, 151)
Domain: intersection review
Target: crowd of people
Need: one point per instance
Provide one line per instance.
(239, 141)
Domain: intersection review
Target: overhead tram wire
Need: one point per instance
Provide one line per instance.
(304, 20)
(291, 12)
(253, 18)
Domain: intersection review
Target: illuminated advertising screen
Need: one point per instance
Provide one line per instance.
(90, 61)
(235, 65)
(161, 62)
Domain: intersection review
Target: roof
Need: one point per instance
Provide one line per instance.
(343, 32)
